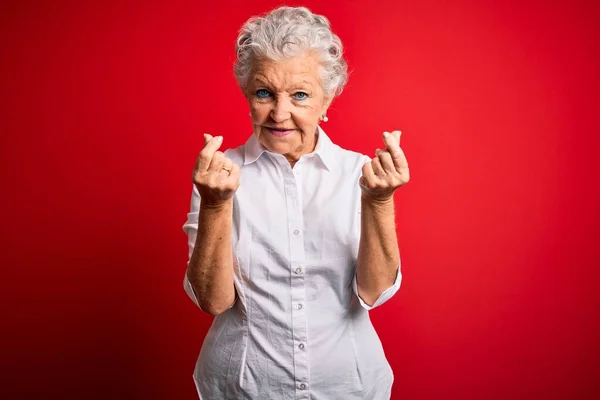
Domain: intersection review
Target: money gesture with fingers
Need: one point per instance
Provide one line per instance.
(387, 171)
(216, 176)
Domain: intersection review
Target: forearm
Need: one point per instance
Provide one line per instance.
(210, 270)
(378, 253)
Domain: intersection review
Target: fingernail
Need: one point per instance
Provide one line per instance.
(386, 134)
(219, 138)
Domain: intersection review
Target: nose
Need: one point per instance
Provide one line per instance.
(281, 110)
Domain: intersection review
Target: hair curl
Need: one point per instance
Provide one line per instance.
(287, 32)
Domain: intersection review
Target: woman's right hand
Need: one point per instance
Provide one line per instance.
(216, 176)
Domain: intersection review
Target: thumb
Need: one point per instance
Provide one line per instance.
(207, 138)
(392, 142)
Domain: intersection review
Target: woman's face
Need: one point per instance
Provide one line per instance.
(286, 102)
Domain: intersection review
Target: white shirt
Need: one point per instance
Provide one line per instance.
(297, 329)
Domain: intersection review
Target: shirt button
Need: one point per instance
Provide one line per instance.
(299, 306)
(301, 346)
(298, 270)
(296, 231)
(302, 386)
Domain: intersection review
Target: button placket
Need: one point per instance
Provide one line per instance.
(296, 245)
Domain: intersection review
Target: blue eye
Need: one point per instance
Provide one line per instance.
(262, 93)
(300, 96)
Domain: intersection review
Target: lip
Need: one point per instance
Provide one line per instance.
(279, 132)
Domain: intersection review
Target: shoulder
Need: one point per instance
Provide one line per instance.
(349, 159)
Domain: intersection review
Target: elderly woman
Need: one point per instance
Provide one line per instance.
(291, 238)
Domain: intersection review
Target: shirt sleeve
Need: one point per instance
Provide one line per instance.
(383, 297)
(191, 230)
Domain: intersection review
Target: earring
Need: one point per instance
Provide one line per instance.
(324, 118)
(250, 114)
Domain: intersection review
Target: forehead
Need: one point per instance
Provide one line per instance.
(300, 70)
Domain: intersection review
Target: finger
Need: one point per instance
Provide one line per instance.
(216, 164)
(362, 182)
(234, 176)
(397, 135)
(235, 170)
(385, 158)
(369, 178)
(226, 168)
(400, 162)
(377, 168)
(210, 147)
(392, 143)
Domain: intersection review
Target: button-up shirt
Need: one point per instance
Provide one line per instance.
(298, 328)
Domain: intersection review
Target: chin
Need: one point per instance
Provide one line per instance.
(277, 146)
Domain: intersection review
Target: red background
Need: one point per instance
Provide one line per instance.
(103, 109)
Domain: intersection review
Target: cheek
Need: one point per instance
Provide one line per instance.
(307, 119)
(259, 112)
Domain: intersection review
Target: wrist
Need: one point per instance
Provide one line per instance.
(377, 201)
(216, 207)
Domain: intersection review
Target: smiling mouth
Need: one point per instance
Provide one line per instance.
(279, 131)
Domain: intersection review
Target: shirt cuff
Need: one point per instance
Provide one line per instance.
(385, 296)
(187, 286)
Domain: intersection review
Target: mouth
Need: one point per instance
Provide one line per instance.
(279, 132)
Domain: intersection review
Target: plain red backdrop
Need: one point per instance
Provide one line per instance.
(103, 109)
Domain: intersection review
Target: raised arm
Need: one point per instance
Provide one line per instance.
(210, 269)
(378, 253)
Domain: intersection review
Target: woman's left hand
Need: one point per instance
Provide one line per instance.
(387, 171)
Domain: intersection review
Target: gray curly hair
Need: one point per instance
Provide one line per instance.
(287, 32)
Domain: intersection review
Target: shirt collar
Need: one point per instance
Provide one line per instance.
(324, 149)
